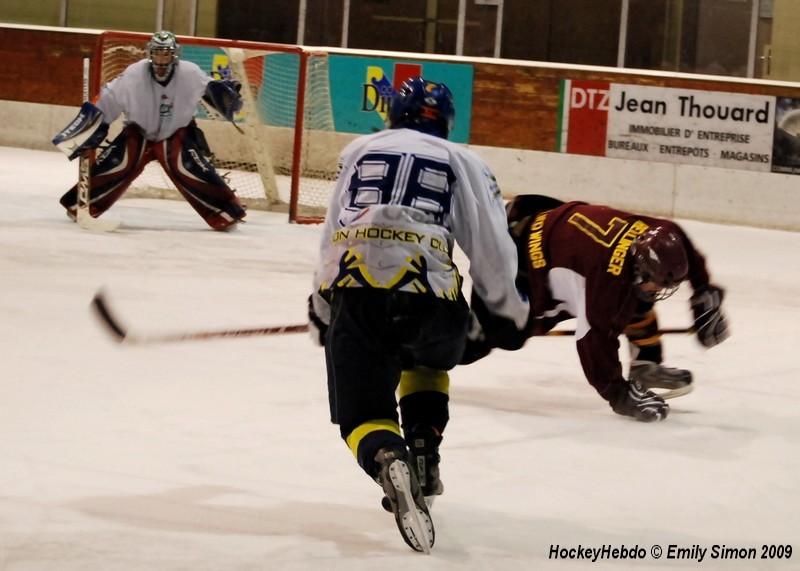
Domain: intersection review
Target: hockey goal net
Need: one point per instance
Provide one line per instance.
(283, 155)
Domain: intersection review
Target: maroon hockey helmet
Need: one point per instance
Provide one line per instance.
(659, 257)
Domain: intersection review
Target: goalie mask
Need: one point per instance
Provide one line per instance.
(660, 263)
(163, 52)
(424, 106)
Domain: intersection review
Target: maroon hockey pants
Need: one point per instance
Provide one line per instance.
(183, 161)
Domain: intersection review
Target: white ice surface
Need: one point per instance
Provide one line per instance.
(219, 455)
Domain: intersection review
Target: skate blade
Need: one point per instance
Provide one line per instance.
(414, 523)
(386, 504)
(87, 222)
(680, 391)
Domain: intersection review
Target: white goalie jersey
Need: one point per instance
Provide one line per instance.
(401, 199)
(159, 110)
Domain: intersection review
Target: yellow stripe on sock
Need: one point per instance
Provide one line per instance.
(358, 434)
(423, 379)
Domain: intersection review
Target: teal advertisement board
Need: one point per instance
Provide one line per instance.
(362, 87)
(273, 78)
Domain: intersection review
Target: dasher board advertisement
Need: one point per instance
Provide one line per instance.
(664, 124)
(362, 88)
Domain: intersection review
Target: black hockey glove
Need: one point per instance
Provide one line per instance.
(317, 328)
(499, 331)
(477, 346)
(710, 323)
(641, 404)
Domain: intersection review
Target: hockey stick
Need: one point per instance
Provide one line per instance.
(214, 113)
(121, 334)
(83, 215)
(666, 331)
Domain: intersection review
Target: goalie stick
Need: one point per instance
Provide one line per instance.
(83, 215)
(122, 334)
(214, 113)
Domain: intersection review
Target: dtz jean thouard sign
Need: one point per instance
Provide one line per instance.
(730, 130)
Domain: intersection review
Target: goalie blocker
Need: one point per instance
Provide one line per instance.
(84, 133)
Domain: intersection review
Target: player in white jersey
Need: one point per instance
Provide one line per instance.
(387, 301)
(159, 96)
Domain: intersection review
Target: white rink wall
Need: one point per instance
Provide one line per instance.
(768, 200)
(729, 196)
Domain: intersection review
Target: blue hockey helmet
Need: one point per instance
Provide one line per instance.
(424, 106)
(163, 51)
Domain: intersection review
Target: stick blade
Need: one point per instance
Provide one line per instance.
(87, 222)
(104, 315)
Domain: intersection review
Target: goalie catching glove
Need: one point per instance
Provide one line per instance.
(641, 404)
(223, 95)
(85, 132)
(710, 323)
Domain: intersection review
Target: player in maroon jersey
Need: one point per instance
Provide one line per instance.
(606, 268)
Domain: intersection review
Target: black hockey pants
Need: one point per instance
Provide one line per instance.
(375, 335)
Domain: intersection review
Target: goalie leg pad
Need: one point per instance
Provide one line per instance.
(113, 171)
(184, 160)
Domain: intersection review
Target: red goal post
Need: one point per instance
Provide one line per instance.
(286, 157)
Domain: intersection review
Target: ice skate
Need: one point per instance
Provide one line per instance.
(676, 382)
(423, 443)
(405, 498)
